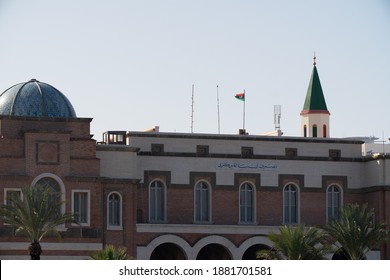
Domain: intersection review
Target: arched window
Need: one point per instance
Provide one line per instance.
(305, 130)
(52, 185)
(157, 201)
(290, 204)
(114, 211)
(48, 182)
(324, 130)
(247, 203)
(202, 202)
(333, 201)
(315, 130)
(55, 184)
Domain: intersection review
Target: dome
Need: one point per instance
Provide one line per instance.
(35, 99)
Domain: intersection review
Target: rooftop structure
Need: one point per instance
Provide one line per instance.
(35, 99)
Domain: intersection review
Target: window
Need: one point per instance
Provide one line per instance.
(80, 206)
(114, 211)
(324, 130)
(290, 204)
(157, 149)
(202, 150)
(335, 154)
(291, 153)
(55, 184)
(202, 202)
(157, 201)
(305, 130)
(8, 193)
(118, 137)
(48, 182)
(315, 130)
(247, 152)
(52, 184)
(333, 201)
(247, 201)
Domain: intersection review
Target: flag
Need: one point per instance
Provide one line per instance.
(240, 96)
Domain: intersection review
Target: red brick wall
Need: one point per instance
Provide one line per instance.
(82, 148)
(269, 207)
(180, 205)
(313, 208)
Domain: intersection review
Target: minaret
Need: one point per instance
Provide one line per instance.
(315, 114)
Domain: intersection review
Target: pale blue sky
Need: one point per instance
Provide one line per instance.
(130, 65)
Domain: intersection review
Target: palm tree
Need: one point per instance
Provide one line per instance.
(296, 243)
(111, 253)
(356, 233)
(37, 213)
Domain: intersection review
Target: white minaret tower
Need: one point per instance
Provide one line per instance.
(315, 114)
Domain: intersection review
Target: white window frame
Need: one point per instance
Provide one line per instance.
(6, 190)
(114, 227)
(253, 204)
(298, 203)
(164, 205)
(209, 220)
(61, 185)
(88, 192)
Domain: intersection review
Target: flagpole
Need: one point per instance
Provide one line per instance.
(241, 96)
(243, 122)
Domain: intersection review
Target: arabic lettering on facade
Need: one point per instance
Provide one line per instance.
(246, 165)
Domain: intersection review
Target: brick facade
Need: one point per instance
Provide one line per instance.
(63, 150)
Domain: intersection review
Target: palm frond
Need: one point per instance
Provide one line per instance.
(36, 213)
(297, 243)
(356, 233)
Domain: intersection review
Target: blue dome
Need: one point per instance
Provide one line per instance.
(35, 99)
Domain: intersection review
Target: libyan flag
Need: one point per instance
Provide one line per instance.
(240, 96)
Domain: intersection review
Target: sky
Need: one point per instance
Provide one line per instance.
(130, 65)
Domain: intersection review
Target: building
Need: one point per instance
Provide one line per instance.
(180, 195)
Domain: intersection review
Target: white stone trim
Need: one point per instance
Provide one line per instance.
(44, 257)
(250, 242)
(51, 246)
(205, 229)
(214, 239)
(6, 190)
(144, 253)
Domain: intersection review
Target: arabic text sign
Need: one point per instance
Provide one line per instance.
(247, 165)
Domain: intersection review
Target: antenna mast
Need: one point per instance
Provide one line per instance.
(277, 116)
(192, 109)
(219, 121)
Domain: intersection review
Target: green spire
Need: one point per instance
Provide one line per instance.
(315, 99)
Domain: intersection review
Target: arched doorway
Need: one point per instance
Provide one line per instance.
(251, 252)
(341, 254)
(213, 252)
(168, 251)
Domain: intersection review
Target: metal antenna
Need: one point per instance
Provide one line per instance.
(277, 116)
(192, 109)
(219, 121)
